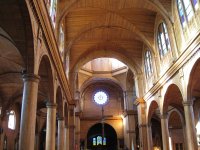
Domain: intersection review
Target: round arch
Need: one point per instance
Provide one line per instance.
(125, 25)
(193, 81)
(151, 109)
(95, 79)
(152, 5)
(109, 137)
(173, 97)
(24, 42)
(112, 52)
(46, 85)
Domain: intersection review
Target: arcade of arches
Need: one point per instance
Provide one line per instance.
(100, 74)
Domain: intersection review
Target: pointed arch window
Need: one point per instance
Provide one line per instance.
(185, 10)
(61, 44)
(163, 39)
(52, 11)
(195, 4)
(148, 63)
(12, 120)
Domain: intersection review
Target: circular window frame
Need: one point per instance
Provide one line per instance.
(97, 91)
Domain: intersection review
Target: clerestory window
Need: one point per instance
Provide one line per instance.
(12, 120)
(186, 10)
(163, 40)
(148, 63)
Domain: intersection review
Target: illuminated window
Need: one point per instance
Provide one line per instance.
(198, 131)
(52, 11)
(195, 4)
(163, 40)
(12, 120)
(104, 141)
(94, 141)
(101, 98)
(185, 10)
(61, 38)
(99, 140)
(148, 63)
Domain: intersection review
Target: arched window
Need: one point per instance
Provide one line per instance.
(51, 6)
(195, 4)
(61, 44)
(52, 11)
(163, 40)
(12, 120)
(148, 63)
(185, 10)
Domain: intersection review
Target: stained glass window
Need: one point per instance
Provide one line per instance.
(195, 4)
(52, 11)
(148, 63)
(99, 140)
(188, 9)
(101, 98)
(61, 47)
(185, 10)
(12, 120)
(94, 142)
(181, 12)
(163, 40)
(104, 141)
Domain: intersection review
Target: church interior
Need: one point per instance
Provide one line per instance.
(100, 75)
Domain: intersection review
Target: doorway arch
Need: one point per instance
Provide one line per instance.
(109, 138)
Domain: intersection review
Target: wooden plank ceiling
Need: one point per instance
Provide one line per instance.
(127, 24)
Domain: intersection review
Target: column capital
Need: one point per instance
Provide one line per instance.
(139, 101)
(51, 105)
(187, 103)
(31, 77)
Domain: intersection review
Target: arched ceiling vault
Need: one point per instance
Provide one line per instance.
(111, 50)
(120, 4)
(143, 31)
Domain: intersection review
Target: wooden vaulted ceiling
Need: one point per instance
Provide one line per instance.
(124, 26)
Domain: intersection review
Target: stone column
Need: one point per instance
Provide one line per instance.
(149, 137)
(28, 112)
(66, 141)
(165, 131)
(51, 126)
(129, 117)
(141, 107)
(143, 137)
(190, 127)
(71, 127)
(61, 132)
(78, 130)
